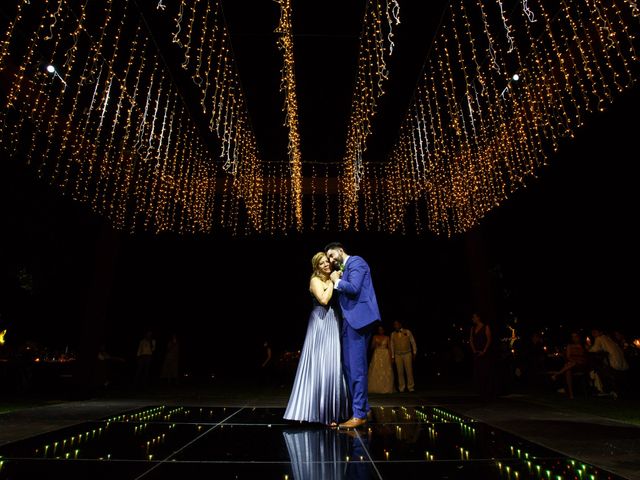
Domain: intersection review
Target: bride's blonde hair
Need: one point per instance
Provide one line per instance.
(315, 264)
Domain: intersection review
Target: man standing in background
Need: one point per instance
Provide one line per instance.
(403, 352)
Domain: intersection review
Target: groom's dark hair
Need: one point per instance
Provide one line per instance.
(332, 245)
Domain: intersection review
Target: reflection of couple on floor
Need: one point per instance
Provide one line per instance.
(332, 370)
(328, 454)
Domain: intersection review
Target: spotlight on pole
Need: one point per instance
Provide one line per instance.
(52, 70)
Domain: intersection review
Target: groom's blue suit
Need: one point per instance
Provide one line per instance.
(359, 310)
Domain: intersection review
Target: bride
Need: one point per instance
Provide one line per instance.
(319, 393)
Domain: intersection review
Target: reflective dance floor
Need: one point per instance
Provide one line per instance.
(168, 442)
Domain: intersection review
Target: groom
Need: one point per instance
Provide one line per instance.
(352, 278)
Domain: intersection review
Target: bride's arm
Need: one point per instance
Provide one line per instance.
(322, 292)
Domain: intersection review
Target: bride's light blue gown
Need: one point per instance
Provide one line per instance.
(320, 391)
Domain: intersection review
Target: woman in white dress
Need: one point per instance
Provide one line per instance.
(380, 368)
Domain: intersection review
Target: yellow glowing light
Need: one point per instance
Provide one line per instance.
(288, 85)
(110, 128)
(474, 134)
(371, 74)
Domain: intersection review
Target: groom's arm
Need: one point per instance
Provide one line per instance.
(357, 272)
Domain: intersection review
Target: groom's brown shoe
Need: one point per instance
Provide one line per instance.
(353, 423)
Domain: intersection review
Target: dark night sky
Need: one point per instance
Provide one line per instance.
(564, 245)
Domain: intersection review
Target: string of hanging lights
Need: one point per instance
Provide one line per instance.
(288, 85)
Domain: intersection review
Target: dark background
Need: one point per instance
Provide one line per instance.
(559, 254)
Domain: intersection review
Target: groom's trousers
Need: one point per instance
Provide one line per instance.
(354, 358)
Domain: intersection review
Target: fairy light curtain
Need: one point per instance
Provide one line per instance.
(90, 104)
(202, 36)
(504, 83)
(376, 44)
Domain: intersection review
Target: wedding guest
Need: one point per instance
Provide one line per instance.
(403, 352)
(171, 362)
(576, 361)
(144, 357)
(380, 368)
(613, 364)
(481, 341)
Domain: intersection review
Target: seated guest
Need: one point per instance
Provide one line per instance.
(575, 361)
(613, 365)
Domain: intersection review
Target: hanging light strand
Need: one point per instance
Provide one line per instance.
(221, 96)
(371, 73)
(288, 86)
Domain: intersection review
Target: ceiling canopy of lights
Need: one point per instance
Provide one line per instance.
(89, 101)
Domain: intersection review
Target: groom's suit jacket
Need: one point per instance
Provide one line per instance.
(357, 297)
